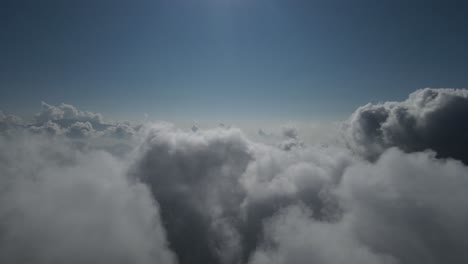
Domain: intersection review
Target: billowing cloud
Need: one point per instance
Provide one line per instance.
(195, 175)
(290, 132)
(295, 236)
(68, 120)
(405, 208)
(66, 113)
(228, 185)
(428, 119)
(77, 190)
(411, 206)
(59, 205)
(48, 128)
(122, 130)
(80, 129)
(9, 122)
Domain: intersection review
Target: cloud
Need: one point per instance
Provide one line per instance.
(69, 121)
(64, 113)
(291, 138)
(58, 205)
(49, 128)
(9, 122)
(76, 191)
(294, 236)
(80, 130)
(428, 119)
(195, 176)
(405, 208)
(290, 132)
(253, 202)
(227, 185)
(412, 206)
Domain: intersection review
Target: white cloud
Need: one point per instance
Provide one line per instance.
(405, 208)
(58, 205)
(81, 190)
(294, 236)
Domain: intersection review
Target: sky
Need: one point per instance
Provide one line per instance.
(227, 59)
(233, 131)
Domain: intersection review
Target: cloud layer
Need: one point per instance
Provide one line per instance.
(75, 189)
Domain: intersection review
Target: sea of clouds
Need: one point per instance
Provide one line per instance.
(77, 189)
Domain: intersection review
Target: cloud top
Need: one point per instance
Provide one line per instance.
(427, 119)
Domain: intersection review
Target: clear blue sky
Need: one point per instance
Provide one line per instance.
(202, 59)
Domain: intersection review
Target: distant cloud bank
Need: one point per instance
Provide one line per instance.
(77, 189)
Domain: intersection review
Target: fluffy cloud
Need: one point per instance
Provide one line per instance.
(69, 121)
(428, 119)
(58, 205)
(217, 196)
(80, 130)
(122, 130)
(290, 132)
(9, 122)
(405, 208)
(412, 206)
(66, 113)
(228, 185)
(194, 175)
(294, 236)
(291, 138)
(49, 128)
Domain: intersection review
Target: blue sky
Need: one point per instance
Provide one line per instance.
(227, 59)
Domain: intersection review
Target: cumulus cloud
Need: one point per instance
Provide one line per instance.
(405, 208)
(428, 119)
(195, 176)
(291, 138)
(59, 205)
(412, 206)
(80, 129)
(228, 185)
(49, 128)
(290, 132)
(122, 131)
(9, 122)
(294, 236)
(394, 194)
(65, 113)
(67, 120)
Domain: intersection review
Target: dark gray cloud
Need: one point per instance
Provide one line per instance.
(194, 177)
(429, 119)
